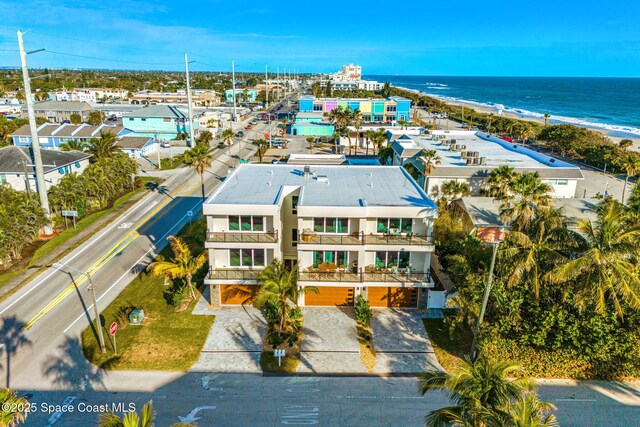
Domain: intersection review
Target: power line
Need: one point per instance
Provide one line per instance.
(110, 60)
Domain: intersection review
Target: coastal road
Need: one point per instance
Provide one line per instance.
(55, 307)
(254, 400)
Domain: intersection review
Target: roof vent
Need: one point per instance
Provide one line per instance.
(307, 171)
(322, 178)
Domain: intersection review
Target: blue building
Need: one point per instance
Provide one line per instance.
(53, 135)
(373, 110)
(160, 122)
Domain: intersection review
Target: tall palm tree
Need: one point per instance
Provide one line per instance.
(103, 147)
(546, 119)
(310, 140)
(129, 419)
(199, 157)
(527, 411)
(476, 389)
(13, 408)
(498, 181)
(490, 118)
(379, 137)
(73, 145)
(183, 265)
(527, 195)
(625, 143)
(455, 189)
(429, 159)
(631, 166)
(356, 121)
(205, 137)
(530, 251)
(607, 269)
(227, 136)
(262, 146)
(279, 287)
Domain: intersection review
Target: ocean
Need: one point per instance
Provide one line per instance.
(611, 104)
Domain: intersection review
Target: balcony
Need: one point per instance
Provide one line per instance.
(406, 239)
(232, 274)
(240, 237)
(342, 275)
(399, 277)
(329, 276)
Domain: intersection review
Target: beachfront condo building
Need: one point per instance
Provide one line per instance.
(468, 156)
(351, 230)
(391, 109)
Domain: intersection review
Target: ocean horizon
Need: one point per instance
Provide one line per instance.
(611, 104)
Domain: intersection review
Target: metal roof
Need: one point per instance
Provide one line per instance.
(160, 111)
(13, 159)
(61, 106)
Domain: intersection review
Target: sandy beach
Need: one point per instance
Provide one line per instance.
(514, 115)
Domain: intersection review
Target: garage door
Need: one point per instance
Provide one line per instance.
(330, 296)
(393, 297)
(237, 294)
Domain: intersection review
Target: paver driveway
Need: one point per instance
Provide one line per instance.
(401, 342)
(234, 343)
(329, 341)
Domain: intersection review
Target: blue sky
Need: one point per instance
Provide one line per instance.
(541, 38)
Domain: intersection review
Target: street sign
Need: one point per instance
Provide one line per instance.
(189, 213)
(113, 328)
(69, 213)
(279, 353)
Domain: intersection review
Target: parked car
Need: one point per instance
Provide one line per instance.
(166, 144)
(240, 134)
(221, 145)
(248, 126)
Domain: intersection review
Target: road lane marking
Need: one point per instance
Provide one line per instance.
(120, 246)
(576, 400)
(83, 315)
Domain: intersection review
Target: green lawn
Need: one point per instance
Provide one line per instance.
(67, 234)
(449, 351)
(167, 340)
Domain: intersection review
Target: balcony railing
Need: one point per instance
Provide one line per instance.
(232, 274)
(240, 237)
(406, 239)
(343, 276)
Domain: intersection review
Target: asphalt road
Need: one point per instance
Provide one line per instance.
(56, 305)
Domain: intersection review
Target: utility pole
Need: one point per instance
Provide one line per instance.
(278, 80)
(186, 68)
(266, 82)
(35, 141)
(233, 89)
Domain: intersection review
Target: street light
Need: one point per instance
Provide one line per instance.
(494, 236)
(91, 289)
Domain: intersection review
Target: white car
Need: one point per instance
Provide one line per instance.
(166, 144)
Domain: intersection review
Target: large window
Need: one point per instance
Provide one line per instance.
(391, 108)
(394, 225)
(246, 223)
(392, 259)
(294, 204)
(246, 257)
(378, 118)
(339, 258)
(331, 225)
(317, 107)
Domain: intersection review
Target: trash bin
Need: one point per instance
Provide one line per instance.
(136, 317)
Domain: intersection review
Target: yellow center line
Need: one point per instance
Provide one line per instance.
(125, 241)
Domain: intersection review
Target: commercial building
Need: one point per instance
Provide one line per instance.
(53, 135)
(160, 122)
(60, 111)
(17, 168)
(470, 156)
(242, 95)
(373, 110)
(199, 98)
(351, 230)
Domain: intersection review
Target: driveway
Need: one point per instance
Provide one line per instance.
(234, 343)
(329, 341)
(401, 342)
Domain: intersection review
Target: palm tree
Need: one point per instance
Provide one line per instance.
(368, 134)
(429, 159)
(310, 140)
(262, 145)
(490, 118)
(103, 147)
(130, 419)
(477, 390)
(541, 245)
(227, 136)
(13, 408)
(527, 411)
(631, 166)
(200, 157)
(379, 138)
(499, 180)
(182, 266)
(625, 143)
(73, 145)
(455, 189)
(279, 287)
(607, 268)
(527, 195)
(284, 123)
(546, 119)
(205, 137)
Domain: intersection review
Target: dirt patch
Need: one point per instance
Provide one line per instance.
(367, 351)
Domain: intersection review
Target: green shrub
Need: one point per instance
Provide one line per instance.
(176, 294)
(362, 310)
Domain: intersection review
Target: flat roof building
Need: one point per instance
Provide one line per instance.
(350, 229)
(470, 156)
(60, 111)
(392, 109)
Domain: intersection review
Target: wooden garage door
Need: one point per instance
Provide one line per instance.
(237, 294)
(393, 297)
(330, 296)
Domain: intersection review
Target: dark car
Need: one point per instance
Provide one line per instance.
(222, 145)
(240, 134)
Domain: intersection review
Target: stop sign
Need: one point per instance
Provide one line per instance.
(113, 328)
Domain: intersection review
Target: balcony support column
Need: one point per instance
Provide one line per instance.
(214, 296)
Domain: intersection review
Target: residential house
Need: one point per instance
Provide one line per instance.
(53, 135)
(161, 122)
(60, 111)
